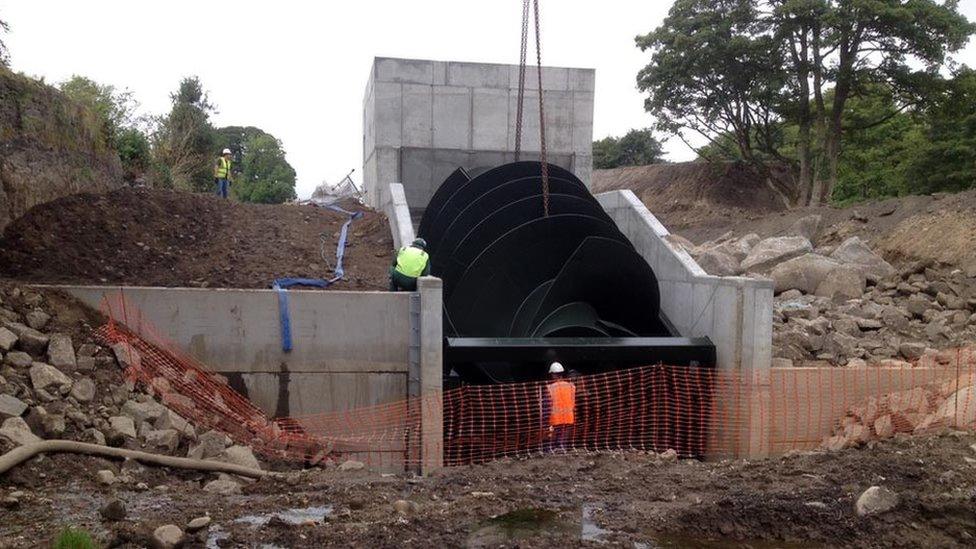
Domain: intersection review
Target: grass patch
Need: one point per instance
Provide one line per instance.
(74, 538)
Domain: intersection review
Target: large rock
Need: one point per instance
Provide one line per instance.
(804, 273)
(7, 339)
(18, 359)
(876, 500)
(740, 248)
(83, 390)
(143, 411)
(37, 319)
(122, 426)
(843, 282)
(168, 536)
(854, 251)
(11, 406)
(718, 263)
(223, 487)
(29, 339)
(61, 352)
(44, 375)
(167, 439)
(210, 444)
(773, 251)
(240, 455)
(17, 431)
(808, 227)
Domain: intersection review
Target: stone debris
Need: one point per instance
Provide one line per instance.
(114, 510)
(198, 523)
(105, 477)
(61, 352)
(28, 339)
(18, 359)
(351, 465)
(11, 406)
(44, 375)
(37, 319)
(83, 390)
(209, 445)
(239, 455)
(224, 486)
(122, 426)
(17, 431)
(875, 500)
(772, 251)
(167, 536)
(7, 339)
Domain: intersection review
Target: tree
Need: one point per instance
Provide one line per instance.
(116, 111)
(715, 70)
(182, 143)
(743, 67)
(262, 173)
(4, 53)
(635, 148)
(946, 156)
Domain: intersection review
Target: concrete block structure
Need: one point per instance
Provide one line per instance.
(424, 119)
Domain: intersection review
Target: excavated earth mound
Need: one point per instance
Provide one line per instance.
(694, 194)
(154, 237)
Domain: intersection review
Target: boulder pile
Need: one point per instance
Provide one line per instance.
(52, 385)
(845, 304)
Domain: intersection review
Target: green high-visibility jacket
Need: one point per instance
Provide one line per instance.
(223, 168)
(412, 262)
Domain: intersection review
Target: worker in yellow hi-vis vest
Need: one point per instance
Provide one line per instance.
(410, 262)
(223, 176)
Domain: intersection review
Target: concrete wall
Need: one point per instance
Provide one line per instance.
(734, 312)
(423, 119)
(350, 350)
(398, 213)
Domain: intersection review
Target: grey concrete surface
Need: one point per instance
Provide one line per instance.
(398, 213)
(431, 374)
(423, 119)
(735, 312)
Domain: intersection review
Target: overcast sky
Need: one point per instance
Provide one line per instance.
(298, 69)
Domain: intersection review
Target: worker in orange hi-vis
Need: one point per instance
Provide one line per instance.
(561, 408)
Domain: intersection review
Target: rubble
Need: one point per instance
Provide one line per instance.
(874, 500)
(61, 352)
(17, 431)
(44, 375)
(770, 252)
(167, 536)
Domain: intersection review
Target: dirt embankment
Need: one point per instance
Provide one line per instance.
(694, 194)
(152, 237)
(49, 147)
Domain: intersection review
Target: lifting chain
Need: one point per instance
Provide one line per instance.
(543, 157)
(521, 80)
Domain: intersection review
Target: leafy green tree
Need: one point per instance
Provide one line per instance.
(116, 110)
(743, 68)
(183, 142)
(262, 173)
(635, 148)
(945, 157)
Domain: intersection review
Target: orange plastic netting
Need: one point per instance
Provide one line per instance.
(695, 412)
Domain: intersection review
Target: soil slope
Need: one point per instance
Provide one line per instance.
(153, 237)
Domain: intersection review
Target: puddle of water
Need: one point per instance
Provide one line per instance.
(514, 525)
(314, 515)
(589, 530)
(215, 535)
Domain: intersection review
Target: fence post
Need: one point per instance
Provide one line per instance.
(431, 374)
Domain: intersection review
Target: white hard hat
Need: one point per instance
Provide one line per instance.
(226, 151)
(556, 368)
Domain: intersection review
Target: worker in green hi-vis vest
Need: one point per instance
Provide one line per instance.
(410, 262)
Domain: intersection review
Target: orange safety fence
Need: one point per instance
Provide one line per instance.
(693, 411)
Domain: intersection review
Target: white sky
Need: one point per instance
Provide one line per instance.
(298, 69)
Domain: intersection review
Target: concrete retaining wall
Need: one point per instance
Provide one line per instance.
(423, 119)
(398, 212)
(350, 349)
(734, 312)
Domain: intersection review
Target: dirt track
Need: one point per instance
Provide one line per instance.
(169, 238)
(803, 500)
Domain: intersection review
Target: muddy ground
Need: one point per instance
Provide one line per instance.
(627, 500)
(152, 237)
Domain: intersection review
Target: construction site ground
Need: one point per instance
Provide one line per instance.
(150, 237)
(611, 499)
